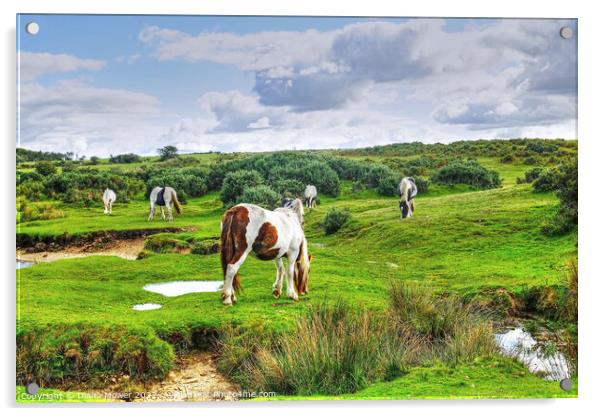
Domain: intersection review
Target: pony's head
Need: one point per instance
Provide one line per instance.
(302, 266)
(405, 209)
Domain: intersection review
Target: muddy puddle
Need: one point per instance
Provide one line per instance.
(521, 345)
(179, 288)
(126, 249)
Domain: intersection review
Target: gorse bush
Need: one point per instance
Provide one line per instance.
(335, 218)
(235, 184)
(566, 189)
(469, 173)
(187, 181)
(45, 168)
(124, 158)
(545, 181)
(261, 195)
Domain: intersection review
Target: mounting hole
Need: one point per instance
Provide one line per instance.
(32, 388)
(566, 32)
(566, 384)
(32, 28)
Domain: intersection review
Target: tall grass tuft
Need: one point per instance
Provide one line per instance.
(338, 348)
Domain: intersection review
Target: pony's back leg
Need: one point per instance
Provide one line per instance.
(280, 271)
(162, 213)
(290, 284)
(169, 214)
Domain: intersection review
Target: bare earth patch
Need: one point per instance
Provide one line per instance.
(194, 379)
(126, 249)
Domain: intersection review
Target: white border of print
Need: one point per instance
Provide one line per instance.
(590, 232)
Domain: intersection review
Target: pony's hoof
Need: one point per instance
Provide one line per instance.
(294, 297)
(226, 300)
(276, 293)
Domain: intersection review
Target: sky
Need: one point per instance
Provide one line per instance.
(106, 85)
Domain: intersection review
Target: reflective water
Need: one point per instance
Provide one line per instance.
(519, 344)
(146, 307)
(22, 264)
(181, 287)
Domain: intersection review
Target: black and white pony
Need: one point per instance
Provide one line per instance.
(164, 197)
(296, 205)
(408, 191)
(311, 193)
(108, 197)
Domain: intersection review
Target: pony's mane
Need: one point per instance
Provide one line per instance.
(298, 209)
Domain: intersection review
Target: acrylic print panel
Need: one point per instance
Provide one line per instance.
(397, 196)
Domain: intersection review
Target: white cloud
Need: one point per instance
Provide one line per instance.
(32, 64)
(511, 64)
(75, 116)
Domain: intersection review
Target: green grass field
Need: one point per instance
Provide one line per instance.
(460, 240)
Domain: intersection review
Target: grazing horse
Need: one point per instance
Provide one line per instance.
(164, 197)
(268, 235)
(408, 191)
(296, 205)
(108, 197)
(311, 193)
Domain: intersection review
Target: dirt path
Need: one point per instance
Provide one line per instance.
(127, 249)
(195, 378)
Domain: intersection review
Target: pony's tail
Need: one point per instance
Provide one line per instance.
(300, 278)
(228, 249)
(176, 203)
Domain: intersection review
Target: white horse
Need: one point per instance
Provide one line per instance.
(269, 235)
(108, 197)
(408, 191)
(311, 193)
(164, 197)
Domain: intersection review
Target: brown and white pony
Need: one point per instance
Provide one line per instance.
(268, 235)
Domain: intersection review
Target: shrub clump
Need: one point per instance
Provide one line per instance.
(165, 243)
(28, 211)
(469, 173)
(335, 218)
(235, 183)
(545, 181)
(79, 353)
(204, 247)
(261, 195)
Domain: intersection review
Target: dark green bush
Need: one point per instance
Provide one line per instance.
(290, 188)
(545, 181)
(235, 183)
(124, 158)
(387, 186)
(335, 218)
(45, 168)
(422, 184)
(186, 182)
(261, 195)
(469, 173)
(532, 174)
(507, 158)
